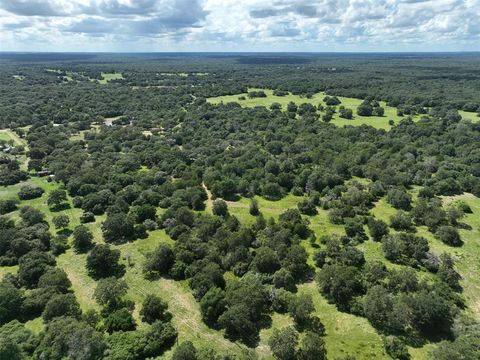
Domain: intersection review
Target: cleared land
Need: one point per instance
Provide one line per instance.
(379, 122)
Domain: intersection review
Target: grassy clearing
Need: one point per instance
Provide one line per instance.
(106, 77)
(473, 117)
(379, 122)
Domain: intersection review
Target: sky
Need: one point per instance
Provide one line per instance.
(239, 25)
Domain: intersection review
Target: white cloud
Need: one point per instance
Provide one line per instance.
(232, 25)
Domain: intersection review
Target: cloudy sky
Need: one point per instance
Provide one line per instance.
(239, 25)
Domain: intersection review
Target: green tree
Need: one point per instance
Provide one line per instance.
(61, 221)
(159, 262)
(212, 305)
(82, 239)
(110, 291)
(153, 309)
(120, 320)
(61, 305)
(312, 347)
(301, 308)
(220, 208)
(185, 351)
(55, 278)
(118, 228)
(102, 261)
(283, 343)
(377, 229)
(56, 198)
(10, 302)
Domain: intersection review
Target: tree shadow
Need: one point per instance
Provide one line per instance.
(65, 232)
(60, 207)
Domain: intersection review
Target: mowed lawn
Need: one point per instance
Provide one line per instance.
(379, 122)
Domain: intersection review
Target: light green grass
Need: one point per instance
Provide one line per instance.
(379, 122)
(106, 77)
(36, 325)
(473, 117)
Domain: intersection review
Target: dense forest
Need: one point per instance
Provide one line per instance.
(245, 207)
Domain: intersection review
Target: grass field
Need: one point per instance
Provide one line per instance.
(379, 122)
(106, 77)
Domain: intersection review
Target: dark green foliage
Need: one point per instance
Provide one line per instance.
(8, 205)
(266, 260)
(399, 199)
(185, 351)
(300, 308)
(449, 235)
(61, 221)
(82, 239)
(284, 279)
(16, 341)
(377, 228)
(153, 309)
(59, 244)
(87, 217)
(31, 216)
(401, 220)
(220, 208)
(307, 207)
(120, 320)
(253, 209)
(283, 343)
(55, 278)
(396, 348)
(32, 266)
(10, 302)
(159, 262)
(102, 261)
(56, 198)
(340, 284)
(212, 305)
(141, 344)
(312, 347)
(66, 337)
(61, 305)
(118, 228)
(110, 291)
(405, 248)
(28, 192)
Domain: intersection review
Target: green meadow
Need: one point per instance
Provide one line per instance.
(379, 122)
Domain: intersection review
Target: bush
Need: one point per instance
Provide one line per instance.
(8, 205)
(399, 199)
(449, 235)
(61, 305)
(153, 309)
(102, 261)
(220, 208)
(28, 192)
(120, 320)
(401, 220)
(87, 217)
(82, 239)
